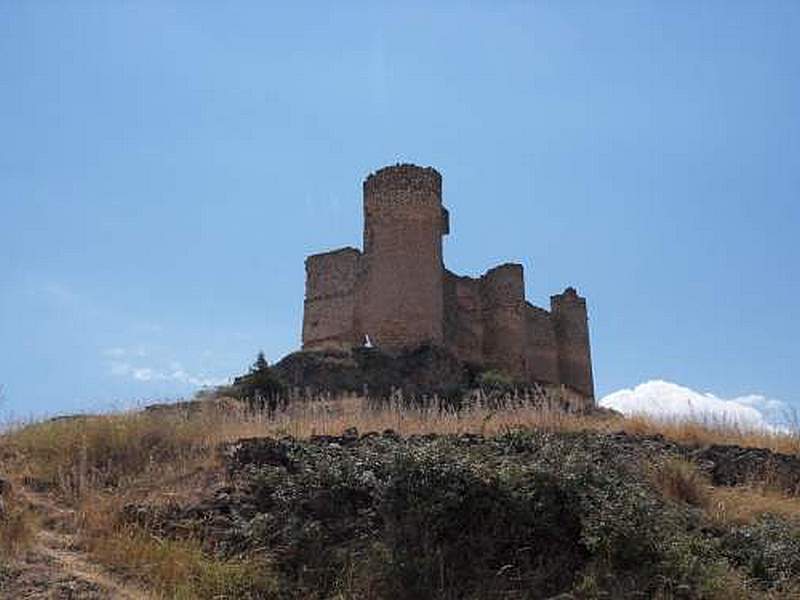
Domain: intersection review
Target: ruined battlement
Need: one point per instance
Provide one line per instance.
(403, 183)
(504, 285)
(398, 293)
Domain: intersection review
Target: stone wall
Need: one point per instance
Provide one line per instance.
(488, 321)
(329, 311)
(541, 346)
(463, 317)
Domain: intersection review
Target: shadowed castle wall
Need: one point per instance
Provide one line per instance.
(572, 332)
(464, 322)
(541, 347)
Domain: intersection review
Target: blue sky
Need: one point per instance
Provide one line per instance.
(166, 167)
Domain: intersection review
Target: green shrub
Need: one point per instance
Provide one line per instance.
(768, 551)
(452, 530)
(524, 514)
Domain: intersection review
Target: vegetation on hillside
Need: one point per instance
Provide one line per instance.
(519, 503)
(262, 388)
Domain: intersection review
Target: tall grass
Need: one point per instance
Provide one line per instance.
(704, 429)
(743, 505)
(680, 480)
(178, 569)
(74, 456)
(113, 452)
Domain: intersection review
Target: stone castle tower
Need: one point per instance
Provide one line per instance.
(398, 293)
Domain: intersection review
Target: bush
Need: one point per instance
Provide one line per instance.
(452, 530)
(768, 551)
(526, 514)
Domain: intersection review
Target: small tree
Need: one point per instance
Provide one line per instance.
(260, 364)
(261, 387)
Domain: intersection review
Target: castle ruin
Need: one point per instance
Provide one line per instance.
(398, 294)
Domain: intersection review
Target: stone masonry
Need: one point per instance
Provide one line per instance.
(398, 294)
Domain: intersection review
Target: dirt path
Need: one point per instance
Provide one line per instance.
(54, 568)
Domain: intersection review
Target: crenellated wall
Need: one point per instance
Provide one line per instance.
(399, 293)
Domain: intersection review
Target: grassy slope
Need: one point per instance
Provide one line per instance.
(99, 465)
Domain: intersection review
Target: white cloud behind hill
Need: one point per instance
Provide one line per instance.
(669, 401)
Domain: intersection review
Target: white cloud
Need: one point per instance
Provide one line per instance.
(670, 401)
(175, 373)
(144, 374)
(126, 362)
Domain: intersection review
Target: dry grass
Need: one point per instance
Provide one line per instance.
(179, 568)
(140, 451)
(708, 430)
(742, 505)
(123, 451)
(17, 530)
(169, 569)
(75, 456)
(17, 523)
(679, 480)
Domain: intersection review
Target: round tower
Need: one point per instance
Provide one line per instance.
(505, 319)
(571, 322)
(402, 290)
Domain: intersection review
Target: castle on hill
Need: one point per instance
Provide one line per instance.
(397, 294)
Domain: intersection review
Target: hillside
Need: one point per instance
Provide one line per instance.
(346, 499)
